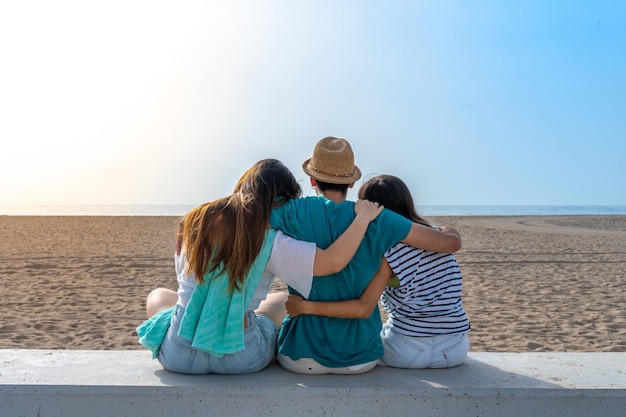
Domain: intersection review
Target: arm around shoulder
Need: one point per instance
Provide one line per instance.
(445, 240)
(359, 308)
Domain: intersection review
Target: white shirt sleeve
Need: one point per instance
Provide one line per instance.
(292, 261)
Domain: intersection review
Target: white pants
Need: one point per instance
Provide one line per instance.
(443, 351)
(312, 367)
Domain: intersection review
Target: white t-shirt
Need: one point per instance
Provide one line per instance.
(291, 260)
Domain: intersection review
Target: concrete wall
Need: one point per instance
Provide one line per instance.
(51, 383)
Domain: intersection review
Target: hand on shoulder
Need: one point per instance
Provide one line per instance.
(367, 210)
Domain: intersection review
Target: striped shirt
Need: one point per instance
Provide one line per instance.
(428, 301)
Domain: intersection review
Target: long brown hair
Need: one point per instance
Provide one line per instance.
(226, 235)
(392, 192)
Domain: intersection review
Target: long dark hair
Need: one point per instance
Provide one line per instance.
(393, 193)
(226, 235)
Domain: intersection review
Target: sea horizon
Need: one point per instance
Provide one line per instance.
(425, 210)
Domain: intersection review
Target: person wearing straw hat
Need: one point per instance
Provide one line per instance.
(317, 344)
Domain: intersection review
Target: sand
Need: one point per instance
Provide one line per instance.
(534, 283)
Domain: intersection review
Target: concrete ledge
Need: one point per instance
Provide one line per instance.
(129, 383)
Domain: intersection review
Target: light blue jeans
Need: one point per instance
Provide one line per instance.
(177, 355)
(443, 351)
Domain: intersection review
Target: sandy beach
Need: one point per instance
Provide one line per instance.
(533, 283)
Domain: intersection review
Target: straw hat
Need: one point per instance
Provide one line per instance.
(332, 162)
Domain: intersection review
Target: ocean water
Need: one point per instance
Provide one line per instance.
(181, 209)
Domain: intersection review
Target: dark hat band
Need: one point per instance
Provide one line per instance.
(331, 174)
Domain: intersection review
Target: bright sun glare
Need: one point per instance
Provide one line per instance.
(82, 82)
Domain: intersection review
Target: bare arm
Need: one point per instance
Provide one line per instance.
(334, 258)
(360, 308)
(179, 238)
(445, 240)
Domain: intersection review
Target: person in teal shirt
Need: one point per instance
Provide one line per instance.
(318, 344)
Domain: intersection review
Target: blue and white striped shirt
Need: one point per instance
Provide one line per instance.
(428, 301)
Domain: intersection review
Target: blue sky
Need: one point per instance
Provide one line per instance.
(470, 102)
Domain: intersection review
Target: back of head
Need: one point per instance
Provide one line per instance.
(393, 193)
(265, 185)
(327, 186)
(228, 234)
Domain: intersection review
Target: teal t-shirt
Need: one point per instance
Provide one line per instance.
(330, 341)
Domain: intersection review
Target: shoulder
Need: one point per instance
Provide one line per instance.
(302, 208)
(401, 250)
(283, 242)
(286, 250)
(391, 216)
(300, 204)
(392, 222)
(284, 213)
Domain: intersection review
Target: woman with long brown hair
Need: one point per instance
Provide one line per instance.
(222, 319)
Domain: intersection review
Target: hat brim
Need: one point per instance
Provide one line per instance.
(332, 179)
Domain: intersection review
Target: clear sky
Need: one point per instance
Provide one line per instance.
(470, 102)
